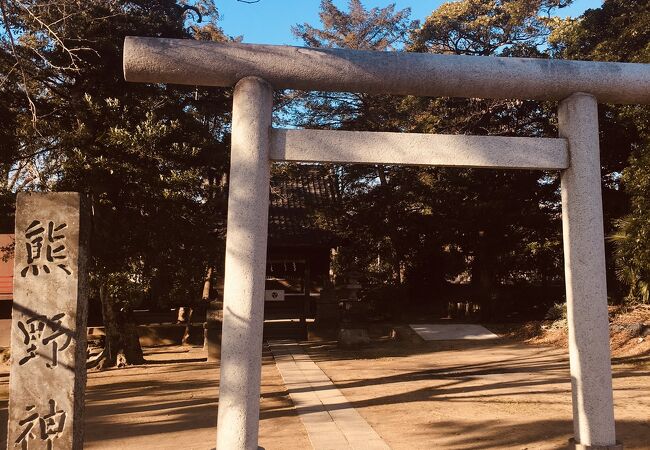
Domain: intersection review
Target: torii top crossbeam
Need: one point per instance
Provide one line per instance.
(159, 60)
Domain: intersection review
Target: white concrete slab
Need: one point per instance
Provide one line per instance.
(330, 420)
(452, 331)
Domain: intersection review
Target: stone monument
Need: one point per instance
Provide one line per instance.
(48, 335)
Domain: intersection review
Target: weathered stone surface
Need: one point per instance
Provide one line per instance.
(184, 61)
(327, 307)
(353, 337)
(584, 262)
(243, 298)
(452, 331)
(635, 329)
(403, 333)
(418, 149)
(212, 341)
(48, 336)
(212, 330)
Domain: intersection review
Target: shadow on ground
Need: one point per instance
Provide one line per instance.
(171, 401)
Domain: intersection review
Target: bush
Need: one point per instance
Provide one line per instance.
(558, 314)
(387, 300)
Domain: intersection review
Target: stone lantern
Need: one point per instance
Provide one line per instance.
(353, 331)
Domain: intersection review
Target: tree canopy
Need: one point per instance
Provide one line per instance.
(492, 227)
(153, 158)
(620, 31)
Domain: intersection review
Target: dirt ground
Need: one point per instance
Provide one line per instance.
(473, 395)
(437, 395)
(171, 403)
(629, 331)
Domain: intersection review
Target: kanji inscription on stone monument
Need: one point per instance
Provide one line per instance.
(44, 427)
(41, 332)
(48, 336)
(52, 239)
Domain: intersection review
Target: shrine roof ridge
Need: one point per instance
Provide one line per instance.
(184, 61)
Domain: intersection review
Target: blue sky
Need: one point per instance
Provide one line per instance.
(270, 21)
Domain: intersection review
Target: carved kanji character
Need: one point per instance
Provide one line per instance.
(44, 427)
(39, 332)
(55, 251)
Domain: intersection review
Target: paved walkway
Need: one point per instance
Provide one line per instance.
(452, 331)
(331, 422)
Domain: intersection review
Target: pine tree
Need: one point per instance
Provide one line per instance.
(150, 157)
(620, 31)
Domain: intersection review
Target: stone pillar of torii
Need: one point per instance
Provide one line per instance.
(255, 70)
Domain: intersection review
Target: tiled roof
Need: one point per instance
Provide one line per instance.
(303, 205)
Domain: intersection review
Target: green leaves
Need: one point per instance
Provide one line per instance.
(151, 157)
(484, 27)
(620, 31)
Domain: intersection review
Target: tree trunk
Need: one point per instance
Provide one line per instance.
(483, 277)
(397, 270)
(187, 320)
(186, 314)
(122, 345)
(205, 300)
(207, 285)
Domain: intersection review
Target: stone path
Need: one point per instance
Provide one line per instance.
(331, 422)
(452, 331)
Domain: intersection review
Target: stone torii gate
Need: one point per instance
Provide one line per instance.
(255, 70)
